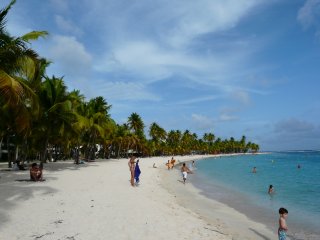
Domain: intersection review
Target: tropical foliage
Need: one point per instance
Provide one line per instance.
(41, 119)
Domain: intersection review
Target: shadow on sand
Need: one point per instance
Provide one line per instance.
(259, 234)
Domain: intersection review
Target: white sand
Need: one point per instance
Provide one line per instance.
(96, 201)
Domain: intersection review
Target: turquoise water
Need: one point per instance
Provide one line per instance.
(230, 180)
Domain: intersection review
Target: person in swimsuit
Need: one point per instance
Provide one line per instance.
(131, 165)
(35, 172)
(185, 170)
(271, 190)
(282, 230)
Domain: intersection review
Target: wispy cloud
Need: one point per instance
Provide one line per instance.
(197, 100)
(124, 91)
(67, 26)
(309, 14)
(202, 123)
(70, 55)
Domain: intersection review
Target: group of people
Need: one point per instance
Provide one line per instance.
(35, 170)
(170, 163)
(135, 171)
(283, 228)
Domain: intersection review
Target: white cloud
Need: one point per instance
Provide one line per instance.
(197, 100)
(124, 91)
(194, 18)
(294, 126)
(147, 60)
(70, 55)
(60, 5)
(160, 42)
(226, 115)
(241, 96)
(202, 122)
(309, 14)
(67, 25)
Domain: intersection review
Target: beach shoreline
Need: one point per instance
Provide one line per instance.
(221, 217)
(95, 201)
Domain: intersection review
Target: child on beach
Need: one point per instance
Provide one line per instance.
(282, 230)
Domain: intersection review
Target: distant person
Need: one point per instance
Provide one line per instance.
(172, 162)
(137, 172)
(193, 164)
(254, 170)
(35, 172)
(154, 165)
(169, 165)
(21, 166)
(298, 166)
(131, 165)
(15, 166)
(185, 170)
(282, 230)
(271, 190)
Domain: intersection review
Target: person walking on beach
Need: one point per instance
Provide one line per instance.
(169, 165)
(283, 228)
(137, 172)
(185, 170)
(131, 165)
(172, 162)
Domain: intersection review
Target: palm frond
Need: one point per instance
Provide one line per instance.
(3, 14)
(34, 35)
(10, 89)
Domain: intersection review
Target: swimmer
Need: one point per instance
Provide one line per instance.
(254, 170)
(271, 190)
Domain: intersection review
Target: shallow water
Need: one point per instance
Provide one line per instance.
(230, 180)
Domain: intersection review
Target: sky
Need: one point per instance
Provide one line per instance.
(229, 67)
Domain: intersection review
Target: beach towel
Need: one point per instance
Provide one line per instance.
(137, 172)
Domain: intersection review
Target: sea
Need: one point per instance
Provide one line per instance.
(295, 176)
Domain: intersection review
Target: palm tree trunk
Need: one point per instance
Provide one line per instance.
(119, 149)
(1, 147)
(8, 151)
(16, 153)
(43, 155)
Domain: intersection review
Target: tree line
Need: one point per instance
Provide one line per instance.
(41, 119)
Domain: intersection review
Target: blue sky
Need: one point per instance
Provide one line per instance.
(231, 67)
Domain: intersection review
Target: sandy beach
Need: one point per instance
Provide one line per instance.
(95, 201)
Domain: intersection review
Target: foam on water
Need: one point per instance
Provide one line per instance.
(230, 180)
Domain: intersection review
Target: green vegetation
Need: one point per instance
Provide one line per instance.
(41, 119)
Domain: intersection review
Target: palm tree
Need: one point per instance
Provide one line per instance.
(55, 113)
(18, 64)
(136, 126)
(17, 60)
(158, 135)
(93, 120)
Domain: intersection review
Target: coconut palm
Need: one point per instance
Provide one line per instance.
(17, 60)
(136, 124)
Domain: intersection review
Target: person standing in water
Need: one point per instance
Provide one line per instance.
(271, 190)
(131, 165)
(254, 170)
